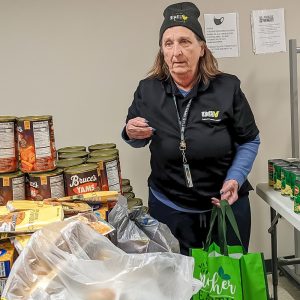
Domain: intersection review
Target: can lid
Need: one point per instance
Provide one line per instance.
(75, 154)
(12, 175)
(282, 164)
(71, 149)
(129, 195)
(81, 168)
(126, 188)
(288, 168)
(275, 160)
(125, 181)
(102, 146)
(97, 159)
(291, 159)
(49, 173)
(69, 162)
(104, 152)
(134, 202)
(8, 118)
(35, 118)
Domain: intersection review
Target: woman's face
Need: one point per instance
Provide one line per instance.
(181, 51)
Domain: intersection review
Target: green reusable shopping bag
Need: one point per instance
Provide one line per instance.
(228, 272)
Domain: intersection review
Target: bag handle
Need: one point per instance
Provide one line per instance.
(232, 221)
(222, 230)
(220, 215)
(213, 218)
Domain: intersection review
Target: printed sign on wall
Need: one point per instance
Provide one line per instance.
(268, 31)
(221, 33)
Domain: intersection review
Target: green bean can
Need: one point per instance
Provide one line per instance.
(297, 195)
(271, 163)
(286, 173)
(294, 174)
(277, 174)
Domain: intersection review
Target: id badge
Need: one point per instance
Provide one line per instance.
(187, 175)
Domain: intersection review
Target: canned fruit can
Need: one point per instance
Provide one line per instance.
(8, 144)
(129, 195)
(104, 152)
(47, 185)
(126, 188)
(12, 187)
(286, 185)
(77, 154)
(271, 170)
(102, 146)
(69, 162)
(125, 182)
(82, 179)
(277, 174)
(71, 149)
(134, 202)
(37, 152)
(110, 173)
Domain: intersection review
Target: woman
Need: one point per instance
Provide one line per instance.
(202, 133)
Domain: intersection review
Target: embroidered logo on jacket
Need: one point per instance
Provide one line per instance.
(212, 115)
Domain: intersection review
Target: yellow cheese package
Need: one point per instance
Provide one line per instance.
(20, 205)
(30, 220)
(21, 241)
(92, 198)
(7, 251)
(4, 210)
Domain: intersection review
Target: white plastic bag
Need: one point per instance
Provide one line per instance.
(70, 261)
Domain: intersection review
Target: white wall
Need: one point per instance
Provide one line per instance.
(81, 61)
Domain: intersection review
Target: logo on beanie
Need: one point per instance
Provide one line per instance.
(179, 18)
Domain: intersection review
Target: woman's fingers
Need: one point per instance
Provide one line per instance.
(138, 128)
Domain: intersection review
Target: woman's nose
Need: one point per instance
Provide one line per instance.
(177, 50)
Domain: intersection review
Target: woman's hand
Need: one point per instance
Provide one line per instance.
(138, 129)
(228, 192)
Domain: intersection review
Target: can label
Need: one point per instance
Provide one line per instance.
(43, 187)
(12, 188)
(82, 182)
(36, 145)
(286, 181)
(8, 147)
(297, 196)
(277, 175)
(110, 175)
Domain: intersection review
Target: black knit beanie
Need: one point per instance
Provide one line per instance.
(184, 14)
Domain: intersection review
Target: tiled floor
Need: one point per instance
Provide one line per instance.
(287, 288)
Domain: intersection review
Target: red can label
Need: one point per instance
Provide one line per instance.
(37, 150)
(81, 183)
(44, 187)
(8, 147)
(12, 188)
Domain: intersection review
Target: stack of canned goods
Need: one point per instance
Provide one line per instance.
(98, 169)
(29, 168)
(27, 146)
(284, 176)
(127, 192)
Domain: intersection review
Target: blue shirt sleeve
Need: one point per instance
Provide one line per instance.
(243, 161)
(134, 143)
